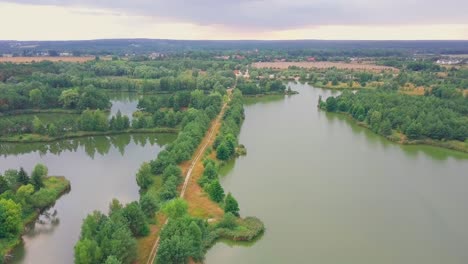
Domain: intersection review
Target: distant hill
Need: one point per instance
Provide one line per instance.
(144, 46)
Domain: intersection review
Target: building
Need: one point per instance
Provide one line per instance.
(222, 57)
(448, 61)
(155, 55)
(239, 73)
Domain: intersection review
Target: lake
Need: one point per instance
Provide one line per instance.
(99, 169)
(332, 192)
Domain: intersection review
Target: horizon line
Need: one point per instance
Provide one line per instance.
(224, 40)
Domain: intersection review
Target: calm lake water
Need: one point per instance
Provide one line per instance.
(124, 102)
(99, 169)
(332, 192)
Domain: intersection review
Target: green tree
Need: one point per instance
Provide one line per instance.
(211, 171)
(52, 130)
(23, 177)
(386, 128)
(331, 104)
(11, 176)
(10, 218)
(100, 120)
(176, 208)
(197, 99)
(172, 170)
(24, 193)
(144, 176)
(174, 250)
(229, 221)
(118, 241)
(87, 252)
(414, 131)
(37, 176)
(231, 205)
(115, 206)
(35, 97)
(196, 236)
(87, 121)
(3, 184)
(38, 126)
(69, 98)
(231, 144)
(149, 204)
(135, 219)
(112, 260)
(216, 192)
(93, 98)
(223, 152)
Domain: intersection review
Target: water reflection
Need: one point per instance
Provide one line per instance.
(91, 145)
(99, 168)
(125, 102)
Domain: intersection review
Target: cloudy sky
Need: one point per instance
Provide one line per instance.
(233, 19)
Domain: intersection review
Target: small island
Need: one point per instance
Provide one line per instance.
(22, 199)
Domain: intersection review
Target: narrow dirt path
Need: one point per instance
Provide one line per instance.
(205, 143)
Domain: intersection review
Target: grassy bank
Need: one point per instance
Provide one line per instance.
(32, 138)
(342, 86)
(40, 111)
(54, 187)
(401, 138)
(449, 144)
(247, 229)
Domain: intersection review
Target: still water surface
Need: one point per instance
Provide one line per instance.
(99, 169)
(332, 192)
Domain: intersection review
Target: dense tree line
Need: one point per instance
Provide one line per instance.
(112, 238)
(415, 116)
(264, 86)
(210, 184)
(41, 84)
(88, 120)
(183, 237)
(227, 140)
(34, 95)
(187, 237)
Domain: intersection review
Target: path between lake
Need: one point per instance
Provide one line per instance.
(207, 141)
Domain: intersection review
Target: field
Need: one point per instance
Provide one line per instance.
(38, 59)
(463, 56)
(324, 65)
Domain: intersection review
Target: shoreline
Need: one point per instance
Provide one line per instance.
(13, 243)
(35, 138)
(40, 111)
(450, 145)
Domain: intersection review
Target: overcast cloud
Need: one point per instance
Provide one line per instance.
(281, 14)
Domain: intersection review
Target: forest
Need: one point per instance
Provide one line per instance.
(415, 116)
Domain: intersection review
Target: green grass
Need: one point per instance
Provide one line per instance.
(449, 144)
(39, 111)
(247, 229)
(30, 138)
